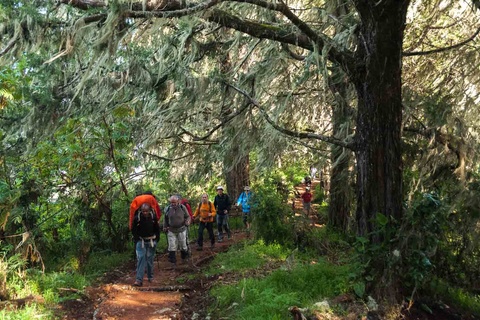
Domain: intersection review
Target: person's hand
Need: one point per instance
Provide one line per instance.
(225, 211)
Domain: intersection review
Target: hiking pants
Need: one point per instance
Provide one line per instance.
(145, 253)
(246, 218)
(202, 226)
(177, 240)
(222, 223)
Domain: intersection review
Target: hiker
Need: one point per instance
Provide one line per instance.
(308, 181)
(307, 202)
(146, 232)
(206, 213)
(175, 223)
(222, 204)
(313, 171)
(146, 197)
(244, 200)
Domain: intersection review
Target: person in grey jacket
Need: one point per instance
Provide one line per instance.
(175, 223)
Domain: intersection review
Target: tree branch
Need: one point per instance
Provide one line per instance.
(111, 151)
(13, 40)
(307, 38)
(300, 135)
(423, 53)
(221, 124)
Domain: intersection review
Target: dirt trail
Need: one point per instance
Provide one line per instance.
(175, 292)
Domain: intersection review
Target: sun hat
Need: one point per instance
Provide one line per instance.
(219, 188)
(246, 188)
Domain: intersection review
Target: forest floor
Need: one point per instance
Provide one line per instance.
(181, 291)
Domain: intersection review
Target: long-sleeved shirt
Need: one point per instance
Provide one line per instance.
(244, 200)
(203, 210)
(145, 227)
(176, 218)
(222, 202)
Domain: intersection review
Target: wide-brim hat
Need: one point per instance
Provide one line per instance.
(219, 188)
(247, 188)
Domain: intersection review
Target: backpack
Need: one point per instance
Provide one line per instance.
(209, 203)
(187, 205)
(139, 213)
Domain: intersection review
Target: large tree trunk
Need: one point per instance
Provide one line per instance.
(236, 170)
(379, 89)
(340, 186)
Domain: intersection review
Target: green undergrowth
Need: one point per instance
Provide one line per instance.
(246, 256)
(298, 279)
(52, 288)
(464, 301)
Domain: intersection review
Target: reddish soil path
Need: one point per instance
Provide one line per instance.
(176, 292)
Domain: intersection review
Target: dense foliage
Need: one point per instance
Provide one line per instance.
(102, 100)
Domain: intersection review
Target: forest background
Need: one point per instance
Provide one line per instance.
(100, 100)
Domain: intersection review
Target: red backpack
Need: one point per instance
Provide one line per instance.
(189, 208)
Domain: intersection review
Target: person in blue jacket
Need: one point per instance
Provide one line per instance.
(245, 201)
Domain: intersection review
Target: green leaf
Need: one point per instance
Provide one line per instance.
(359, 289)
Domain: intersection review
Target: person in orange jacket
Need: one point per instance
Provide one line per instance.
(146, 197)
(206, 212)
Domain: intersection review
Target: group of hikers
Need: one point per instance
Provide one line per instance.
(144, 223)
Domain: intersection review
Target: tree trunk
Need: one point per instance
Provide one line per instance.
(340, 187)
(378, 84)
(236, 171)
(238, 177)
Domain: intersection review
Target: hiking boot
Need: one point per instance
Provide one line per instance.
(184, 254)
(229, 236)
(150, 280)
(199, 248)
(138, 283)
(212, 245)
(171, 257)
(220, 240)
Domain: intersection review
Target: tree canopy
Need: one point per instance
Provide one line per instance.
(92, 92)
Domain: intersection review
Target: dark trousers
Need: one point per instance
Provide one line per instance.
(202, 226)
(222, 223)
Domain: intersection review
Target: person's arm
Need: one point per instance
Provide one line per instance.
(166, 221)
(240, 198)
(197, 212)
(186, 215)
(229, 203)
(156, 230)
(214, 212)
(134, 229)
